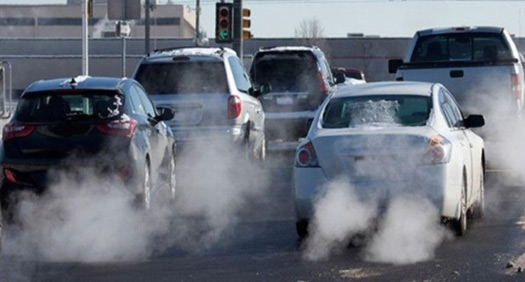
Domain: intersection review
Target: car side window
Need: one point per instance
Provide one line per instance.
(447, 110)
(326, 71)
(242, 81)
(136, 102)
(458, 116)
(146, 102)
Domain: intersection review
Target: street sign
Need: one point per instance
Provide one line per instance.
(131, 8)
(122, 29)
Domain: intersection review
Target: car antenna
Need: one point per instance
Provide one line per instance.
(73, 83)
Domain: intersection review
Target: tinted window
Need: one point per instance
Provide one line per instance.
(81, 105)
(286, 71)
(239, 75)
(461, 46)
(184, 77)
(406, 110)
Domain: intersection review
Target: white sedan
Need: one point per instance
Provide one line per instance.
(389, 137)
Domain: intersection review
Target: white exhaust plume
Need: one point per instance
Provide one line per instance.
(410, 232)
(338, 215)
(84, 218)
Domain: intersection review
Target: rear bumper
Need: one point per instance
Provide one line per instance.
(209, 133)
(428, 181)
(287, 126)
(37, 175)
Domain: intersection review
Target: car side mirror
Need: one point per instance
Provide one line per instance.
(265, 88)
(393, 65)
(254, 92)
(473, 121)
(339, 77)
(165, 113)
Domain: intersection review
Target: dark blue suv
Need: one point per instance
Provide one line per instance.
(108, 124)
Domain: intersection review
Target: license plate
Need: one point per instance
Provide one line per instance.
(191, 115)
(284, 100)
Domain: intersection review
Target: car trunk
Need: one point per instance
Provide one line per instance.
(380, 154)
(42, 135)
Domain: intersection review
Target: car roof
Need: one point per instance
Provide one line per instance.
(215, 53)
(460, 29)
(79, 82)
(385, 88)
(288, 48)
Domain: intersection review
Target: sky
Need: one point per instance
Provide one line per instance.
(386, 18)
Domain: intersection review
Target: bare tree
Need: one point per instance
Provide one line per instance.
(309, 29)
(311, 32)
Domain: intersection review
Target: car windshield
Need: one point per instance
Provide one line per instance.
(377, 110)
(183, 78)
(69, 106)
(286, 72)
(461, 46)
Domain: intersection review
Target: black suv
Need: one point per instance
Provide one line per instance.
(294, 81)
(108, 124)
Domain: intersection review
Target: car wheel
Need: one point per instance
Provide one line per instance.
(479, 209)
(461, 224)
(172, 180)
(144, 196)
(301, 227)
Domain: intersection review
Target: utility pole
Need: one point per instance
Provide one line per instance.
(147, 25)
(123, 7)
(85, 49)
(197, 23)
(237, 28)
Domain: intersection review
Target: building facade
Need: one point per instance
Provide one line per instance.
(65, 21)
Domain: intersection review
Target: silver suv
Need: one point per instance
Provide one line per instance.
(210, 93)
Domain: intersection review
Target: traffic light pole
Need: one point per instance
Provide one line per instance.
(146, 26)
(237, 28)
(85, 44)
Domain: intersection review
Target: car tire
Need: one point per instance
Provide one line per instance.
(460, 225)
(172, 178)
(479, 208)
(301, 226)
(144, 196)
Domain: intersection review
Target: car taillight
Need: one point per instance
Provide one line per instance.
(438, 150)
(234, 107)
(9, 175)
(305, 156)
(515, 85)
(323, 88)
(118, 127)
(123, 172)
(16, 130)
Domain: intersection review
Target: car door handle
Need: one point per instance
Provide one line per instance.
(456, 73)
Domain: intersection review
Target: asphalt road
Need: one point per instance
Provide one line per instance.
(262, 246)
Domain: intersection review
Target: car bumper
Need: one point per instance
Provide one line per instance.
(288, 126)
(210, 133)
(428, 180)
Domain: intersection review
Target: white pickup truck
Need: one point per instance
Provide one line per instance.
(481, 66)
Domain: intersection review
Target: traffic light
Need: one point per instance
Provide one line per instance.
(246, 24)
(224, 23)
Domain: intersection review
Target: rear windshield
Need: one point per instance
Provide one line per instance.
(461, 46)
(294, 71)
(384, 110)
(183, 78)
(65, 106)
